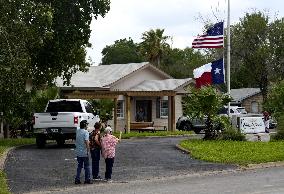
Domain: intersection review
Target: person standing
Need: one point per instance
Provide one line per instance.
(140, 115)
(108, 143)
(82, 151)
(95, 147)
(266, 121)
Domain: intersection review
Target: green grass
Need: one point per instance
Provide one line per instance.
(4, 145)
(3, 183)
(234, 152)
(145, 134)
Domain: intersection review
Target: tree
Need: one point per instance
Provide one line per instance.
(104, 107)
(153, 45)
(180, 63)
(275, 99)
(257, 57)
(121, 52)
(205, 103)
(39, 41)
(275, 105)
(276, 39)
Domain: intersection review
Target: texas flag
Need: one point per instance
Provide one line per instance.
(208, 74)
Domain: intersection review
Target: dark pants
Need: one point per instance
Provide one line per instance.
(83, 162)
(109, 165)
(95, 154)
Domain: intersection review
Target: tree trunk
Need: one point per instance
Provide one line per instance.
(6, 130)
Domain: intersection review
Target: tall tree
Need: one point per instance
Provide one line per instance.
(276, 40)
(256, 51)
(40, 40)
(121, 52)
(153, 45)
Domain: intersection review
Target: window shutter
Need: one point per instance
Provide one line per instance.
(158, 103)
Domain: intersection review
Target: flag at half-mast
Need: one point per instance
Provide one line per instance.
(208, 74)
(214, 37)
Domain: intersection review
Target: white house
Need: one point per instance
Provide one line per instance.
(131, 86)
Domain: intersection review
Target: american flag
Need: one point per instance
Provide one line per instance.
(214, 38)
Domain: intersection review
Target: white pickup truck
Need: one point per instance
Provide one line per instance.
(61, 119)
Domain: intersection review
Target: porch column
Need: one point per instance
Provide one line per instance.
(171, 113)
(115, 115)
(127, 113)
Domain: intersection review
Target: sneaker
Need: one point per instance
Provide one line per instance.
(77, 182)
(88, 182)
(108, 180)
(97, 178)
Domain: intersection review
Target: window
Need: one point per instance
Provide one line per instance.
(254, 107)
(164, 108)
(120, 109)
(88, 107)
(64, 106)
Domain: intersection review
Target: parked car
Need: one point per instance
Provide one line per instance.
(186, 123)
(61, 119)
(234, 110)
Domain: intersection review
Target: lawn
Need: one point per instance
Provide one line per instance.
(235, 152)
(4, 145)
(145, 134)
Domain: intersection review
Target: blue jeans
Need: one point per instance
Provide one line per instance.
(83, 162)
(109, 165)
(95, 154)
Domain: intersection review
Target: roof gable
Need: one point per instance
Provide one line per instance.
(161, 85)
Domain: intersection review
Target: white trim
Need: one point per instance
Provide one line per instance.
(122, 112)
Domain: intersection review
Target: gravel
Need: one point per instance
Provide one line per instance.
(30, 169)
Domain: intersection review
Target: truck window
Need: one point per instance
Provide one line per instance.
(88, 108)
(64, 106)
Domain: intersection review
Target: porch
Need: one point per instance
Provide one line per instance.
(159, 106)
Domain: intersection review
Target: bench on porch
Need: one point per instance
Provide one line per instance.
(142, 126)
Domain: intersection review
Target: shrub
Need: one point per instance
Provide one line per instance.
(280, 129)
(232, 134)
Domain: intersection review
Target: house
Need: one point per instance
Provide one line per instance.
(250, 98)
(132, 86)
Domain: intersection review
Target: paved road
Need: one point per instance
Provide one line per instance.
(262, 181)
(31, 170)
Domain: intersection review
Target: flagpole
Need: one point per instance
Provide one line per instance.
(228, 56)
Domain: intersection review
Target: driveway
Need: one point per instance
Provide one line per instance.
(30, 169)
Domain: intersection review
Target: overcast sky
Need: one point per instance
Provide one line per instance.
(180, 19)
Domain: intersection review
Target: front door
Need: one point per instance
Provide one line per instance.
(146, 106)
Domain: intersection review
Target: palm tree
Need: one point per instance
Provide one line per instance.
(154, 45)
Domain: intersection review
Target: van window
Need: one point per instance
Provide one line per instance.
(64, 106)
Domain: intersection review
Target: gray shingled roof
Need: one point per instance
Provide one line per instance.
(242, 93)
(160, 85)
(101, 76)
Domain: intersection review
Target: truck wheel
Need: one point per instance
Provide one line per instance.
(40, 141)
(197, 131)
(60, 142)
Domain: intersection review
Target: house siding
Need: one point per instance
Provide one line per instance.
(248, 101)
(136, 78)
